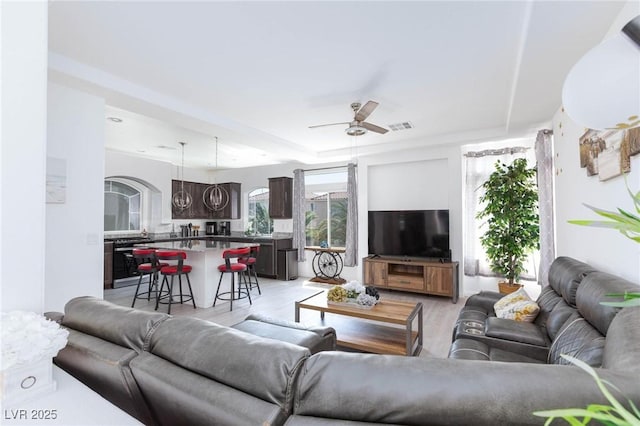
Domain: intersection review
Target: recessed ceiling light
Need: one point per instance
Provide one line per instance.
(166, 147)
(115, 119)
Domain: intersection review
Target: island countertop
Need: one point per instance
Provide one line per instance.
(196, 245)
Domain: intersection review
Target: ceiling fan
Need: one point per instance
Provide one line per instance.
(358, 126)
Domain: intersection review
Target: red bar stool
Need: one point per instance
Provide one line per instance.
(251, 267)
(178, 269)
(233, 268)
(148, 265)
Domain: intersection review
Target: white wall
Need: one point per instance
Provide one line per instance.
(74, 230)
(423, 178)
(158, 174)
(605, 249)
(420, 186)
(23, 79)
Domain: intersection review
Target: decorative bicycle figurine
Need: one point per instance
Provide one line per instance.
(327, 262)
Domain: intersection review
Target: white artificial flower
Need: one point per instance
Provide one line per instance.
(28, 337)
(354, 286)
(366, 300)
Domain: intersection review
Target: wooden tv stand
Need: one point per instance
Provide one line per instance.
(417, 276)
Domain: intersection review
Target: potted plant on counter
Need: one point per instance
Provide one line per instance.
(511, 213)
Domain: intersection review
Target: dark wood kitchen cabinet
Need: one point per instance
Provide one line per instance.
(232, 209)
(108, 264)
(198, 209)
(281, 198)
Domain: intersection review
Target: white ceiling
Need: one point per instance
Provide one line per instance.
(257, 74)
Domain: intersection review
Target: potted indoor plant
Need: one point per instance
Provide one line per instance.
(511, 213)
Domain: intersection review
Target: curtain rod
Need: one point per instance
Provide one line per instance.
(327, 168)
(497, 151)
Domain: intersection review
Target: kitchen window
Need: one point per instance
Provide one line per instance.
(122, 206)
(326, 209)
(259, 221)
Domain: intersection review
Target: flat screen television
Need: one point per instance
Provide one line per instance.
(410, 233)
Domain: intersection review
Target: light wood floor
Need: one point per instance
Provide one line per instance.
(278, 298)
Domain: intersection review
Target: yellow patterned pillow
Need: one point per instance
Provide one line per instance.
(517, 296)
(523, 310)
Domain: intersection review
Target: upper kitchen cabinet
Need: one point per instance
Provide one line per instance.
(232, 209)
(198, 208)
(280, 198)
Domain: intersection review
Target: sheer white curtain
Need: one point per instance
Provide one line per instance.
(544, 159)
(299, 236)
(351, 245)
(479, 166)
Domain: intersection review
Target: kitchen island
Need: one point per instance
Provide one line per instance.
(267, 261)
(204, 256)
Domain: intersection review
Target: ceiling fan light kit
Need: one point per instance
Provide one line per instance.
(355, 130)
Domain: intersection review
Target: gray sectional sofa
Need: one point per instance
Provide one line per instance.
(571, 321)
(169, 370)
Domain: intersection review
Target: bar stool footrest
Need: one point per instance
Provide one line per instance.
(243, 295)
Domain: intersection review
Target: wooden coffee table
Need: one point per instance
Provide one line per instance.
(376, 335)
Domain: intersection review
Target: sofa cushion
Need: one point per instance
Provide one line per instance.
(474, 350)
(593, 291)
(547, 301)
(565, 276)
(558, 317)
(623, 343)
(314, 338)
(421, 391)
(502, 306)
(182, 397)
(516, 331)
(126, 327)
(104, 367)
(521, 311)
(579, 339)
(261, 367)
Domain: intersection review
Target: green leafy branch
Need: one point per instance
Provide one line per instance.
(629, 299)
(615, 414)
(627, 223)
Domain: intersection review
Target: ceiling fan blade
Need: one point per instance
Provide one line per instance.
(373, 128)
(367, 109)
(332, 124)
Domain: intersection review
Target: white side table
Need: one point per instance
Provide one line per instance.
(73, 403)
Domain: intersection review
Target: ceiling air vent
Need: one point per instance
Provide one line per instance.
(401, 126)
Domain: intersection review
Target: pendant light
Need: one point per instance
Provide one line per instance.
(182, 200)
(215, 197)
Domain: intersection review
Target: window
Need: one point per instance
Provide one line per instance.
(479, 167)
(121, 207)
(326, 209)
(259, 220)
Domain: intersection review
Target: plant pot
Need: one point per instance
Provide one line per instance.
(505, 288)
